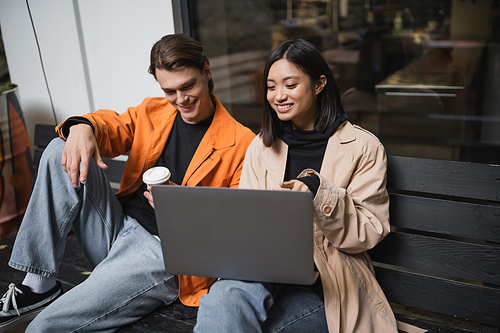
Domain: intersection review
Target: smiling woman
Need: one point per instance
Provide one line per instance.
(300, 87)
(292, 95)
(307, 144)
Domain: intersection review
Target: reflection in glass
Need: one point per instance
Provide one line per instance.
(422, 75)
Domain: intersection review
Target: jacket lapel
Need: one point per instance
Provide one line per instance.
(338, 158)
(221, 134)
(275, 161)
(160, 125)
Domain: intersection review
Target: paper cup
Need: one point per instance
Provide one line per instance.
(156, 176)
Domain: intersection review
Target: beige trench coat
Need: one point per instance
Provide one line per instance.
(351, 216)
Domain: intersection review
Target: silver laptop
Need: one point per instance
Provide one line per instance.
(251, 235)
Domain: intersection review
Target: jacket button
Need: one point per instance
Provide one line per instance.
(327, 209)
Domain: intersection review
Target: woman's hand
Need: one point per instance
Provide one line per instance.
(294, 185)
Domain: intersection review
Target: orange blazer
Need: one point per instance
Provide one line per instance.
(143, 132)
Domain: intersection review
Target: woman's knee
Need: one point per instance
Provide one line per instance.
(221, 292)
(236, 297)
(233, 306)
(297, 309)
(231, 291)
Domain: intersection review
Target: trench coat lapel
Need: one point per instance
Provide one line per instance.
(338, 159)
(275, 161)
(335, 155)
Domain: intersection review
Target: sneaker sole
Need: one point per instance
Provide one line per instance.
(30, 314)
(19, 320)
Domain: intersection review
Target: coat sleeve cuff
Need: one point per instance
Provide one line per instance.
(327, 196)
(74, 121)
(312, 182)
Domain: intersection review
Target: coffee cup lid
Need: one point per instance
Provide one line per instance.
(156, 175)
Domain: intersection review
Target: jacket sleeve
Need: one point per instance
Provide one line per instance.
(114, 132)
(356, 218)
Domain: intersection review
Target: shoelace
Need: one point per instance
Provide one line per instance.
(10, 296)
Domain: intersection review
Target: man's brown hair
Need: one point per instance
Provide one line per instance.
(175, 51)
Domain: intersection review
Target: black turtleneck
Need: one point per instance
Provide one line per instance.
(306, 150)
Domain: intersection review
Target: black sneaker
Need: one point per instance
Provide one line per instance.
(19, 304)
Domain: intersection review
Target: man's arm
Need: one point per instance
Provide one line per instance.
(80, 147)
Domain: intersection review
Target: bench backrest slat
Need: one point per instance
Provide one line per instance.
(44, 134)
(460, 179)
(115, 169)
(460, 219)
(441, 257)
(441, 296)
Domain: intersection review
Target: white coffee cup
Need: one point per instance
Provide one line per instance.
(156, 175)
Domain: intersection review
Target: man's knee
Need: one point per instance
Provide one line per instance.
(53, 152)
(41, 324)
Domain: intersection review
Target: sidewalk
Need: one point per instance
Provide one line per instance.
(74, 268)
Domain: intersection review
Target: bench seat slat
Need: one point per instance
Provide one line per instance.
(476, 303)
(459, 219)
(460, 179)
(437, 327)
(442, 257)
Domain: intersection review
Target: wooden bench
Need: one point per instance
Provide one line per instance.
(443, 254)
(439, 267)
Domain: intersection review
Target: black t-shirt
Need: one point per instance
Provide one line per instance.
(177, 154)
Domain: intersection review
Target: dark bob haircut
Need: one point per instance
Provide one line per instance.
(308, 60)
(175, 51)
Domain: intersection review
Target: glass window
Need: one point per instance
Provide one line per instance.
(423, 75)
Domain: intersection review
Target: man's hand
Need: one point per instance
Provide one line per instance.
(80, 147)
(294, 185)
(149, 196)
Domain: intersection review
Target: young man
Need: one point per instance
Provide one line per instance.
(190, 132)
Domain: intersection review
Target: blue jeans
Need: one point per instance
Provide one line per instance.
(239, 306)
(128, 281)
